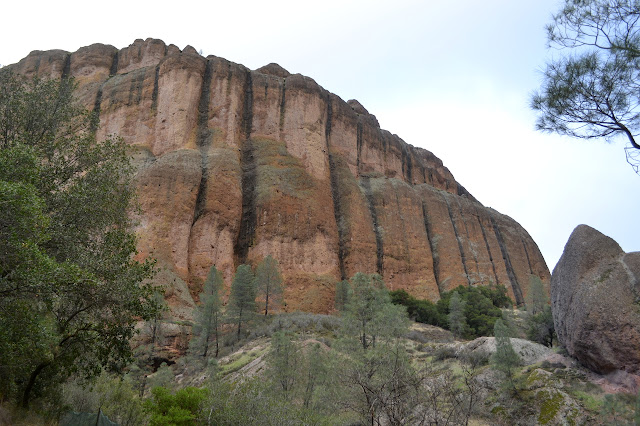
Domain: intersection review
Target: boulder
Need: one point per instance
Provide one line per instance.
(529, 352)
(595, 302)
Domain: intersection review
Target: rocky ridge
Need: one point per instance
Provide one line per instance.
(235, 164)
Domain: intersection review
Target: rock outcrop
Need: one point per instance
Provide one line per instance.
(235, 164)
(529, 352)
(595, 299)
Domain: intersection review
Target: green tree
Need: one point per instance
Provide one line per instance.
(540, 327)
(370, 313)
(420, 310)
(505, 359)
(253, 403)
(457, 319)
(594, 92)
(537, 297)
(269, 281)
(539, 322)
(115, 396)
(208, 316)
(316, 372)
(181, 408)
(72, 277)
(508, 319)
(163, 377)
(482, 308)
(284, 362)
(378, 384)
(373, 375)
(242, 301)
(343, 290)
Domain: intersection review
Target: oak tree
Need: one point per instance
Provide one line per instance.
(71, 291)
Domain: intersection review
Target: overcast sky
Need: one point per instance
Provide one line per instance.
(453, 77)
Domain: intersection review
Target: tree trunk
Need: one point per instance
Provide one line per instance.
(217, 335)
(32, 380)
(206, 346)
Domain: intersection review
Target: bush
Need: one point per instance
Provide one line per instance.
(476, 358)
(423, 311)
(115, 396)
(444, 352)
(417, 336)
(298, 322)
(180, 408)
(482, 308)
(253, 403)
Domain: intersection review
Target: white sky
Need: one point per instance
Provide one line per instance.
(453, 77)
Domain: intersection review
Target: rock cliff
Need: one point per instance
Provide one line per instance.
(235, 164)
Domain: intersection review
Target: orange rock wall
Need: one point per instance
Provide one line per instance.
(235, 164)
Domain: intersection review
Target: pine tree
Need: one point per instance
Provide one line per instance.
(242, 302)
(316, 372)
(457, 319)
(540, 327)
(269, 281)
(505, 359)
(284, 362)
(343, 290)
(370, 314)
(536, 298)
(208, 317)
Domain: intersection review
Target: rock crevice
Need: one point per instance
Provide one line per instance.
(515, 286)
(248, 219)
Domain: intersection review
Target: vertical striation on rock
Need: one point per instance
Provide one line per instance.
(371, 204)
(235, 164)
(488, 247)
(335, 195)
(204, 140)
(458, 239)
(432, 244)
(515, 285)
(248, 165)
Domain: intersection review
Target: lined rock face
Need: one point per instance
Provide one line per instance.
(237, 164)
(595, 291)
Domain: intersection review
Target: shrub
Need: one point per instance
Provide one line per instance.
(180, 408)
(444, 352)
(420, 310)
(482, 308)
(296, 322)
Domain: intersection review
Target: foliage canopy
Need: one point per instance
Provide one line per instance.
(593, 92)
(208, 316)
(242, 301)
(269, 282)
(481, 307)
(70, 289)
